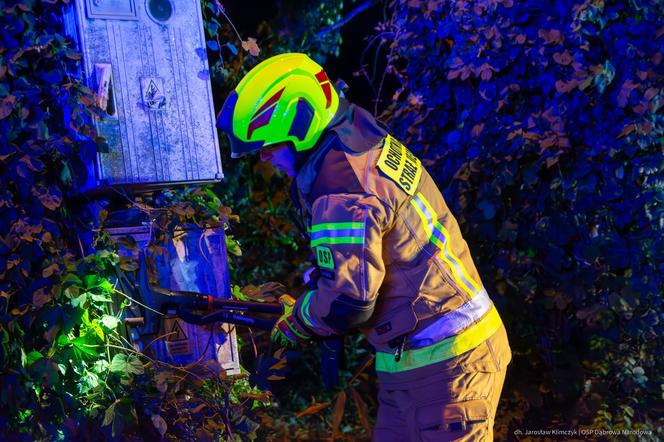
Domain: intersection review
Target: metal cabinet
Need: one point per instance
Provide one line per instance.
(146, 61)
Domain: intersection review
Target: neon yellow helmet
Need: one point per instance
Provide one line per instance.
(287, 97)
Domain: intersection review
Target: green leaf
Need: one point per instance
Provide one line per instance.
(119, 364)
(33, 357)
(89, 380)
(86, 346)
(71, 279)
(94, 330)
(233, 246)
(236, 293)
(62, 340)
(85, 317)
(109, 414)
(91, 281)
(110, 322)
(106, 286)
(134, 365)
(100, 298)
(100, 289)
(126, 365)
(46, 372)
(79, 301)
(65, 174)
(101, 366)
(72, 292)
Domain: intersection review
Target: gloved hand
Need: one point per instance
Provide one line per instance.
(287, 331)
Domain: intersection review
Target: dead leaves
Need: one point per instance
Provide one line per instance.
(7, 105)
(50, 197)
(341, 400)
(261, 397)
(314, 408)
(551, 36)
(251, 46)
(338, 413)
(361, 408)
(227, 214)
(564, 58)
(43, 296)
(275, 377)
(281, 363)
(462, 70)
(23, 230)
(269, 292)
(627, 87)
(48, 271)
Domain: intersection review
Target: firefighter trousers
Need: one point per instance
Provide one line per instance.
(459, 408)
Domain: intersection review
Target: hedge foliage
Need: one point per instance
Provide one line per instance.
(542, 121)
(67, 370)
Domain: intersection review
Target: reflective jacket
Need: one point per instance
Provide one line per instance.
(391, 259)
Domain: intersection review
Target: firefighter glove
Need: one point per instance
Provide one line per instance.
(288, 331)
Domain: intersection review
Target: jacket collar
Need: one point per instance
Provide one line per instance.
(357, 129)
(353, 127)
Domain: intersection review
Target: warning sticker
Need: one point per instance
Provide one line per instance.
(399, 163)
(177, 332)
(176, 339)
(152, 90)
(178, 348)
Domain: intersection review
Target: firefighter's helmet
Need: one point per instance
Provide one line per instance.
(286, 98)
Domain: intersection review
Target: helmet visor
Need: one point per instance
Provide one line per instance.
(239, 148)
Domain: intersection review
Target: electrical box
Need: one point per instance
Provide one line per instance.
(147, 63)
(195, 261)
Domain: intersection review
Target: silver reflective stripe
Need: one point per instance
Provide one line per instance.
(330, 233)
(454, 322)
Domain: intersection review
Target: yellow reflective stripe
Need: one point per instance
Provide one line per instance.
(459, 270)
(450, 324)
(441, 351)
(443, 255)
(477, 287)
(423, 218)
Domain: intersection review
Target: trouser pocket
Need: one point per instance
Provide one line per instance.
(459, 421)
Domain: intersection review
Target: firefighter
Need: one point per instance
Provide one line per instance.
(390, 257)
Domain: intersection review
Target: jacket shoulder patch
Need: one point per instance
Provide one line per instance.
(400, 165)
(325, 257)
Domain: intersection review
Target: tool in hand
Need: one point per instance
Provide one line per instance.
(157, 301)
(186, 305)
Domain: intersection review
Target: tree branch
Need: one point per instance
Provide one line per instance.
(360, 8)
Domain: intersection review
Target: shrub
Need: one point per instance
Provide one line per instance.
(542, 122)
